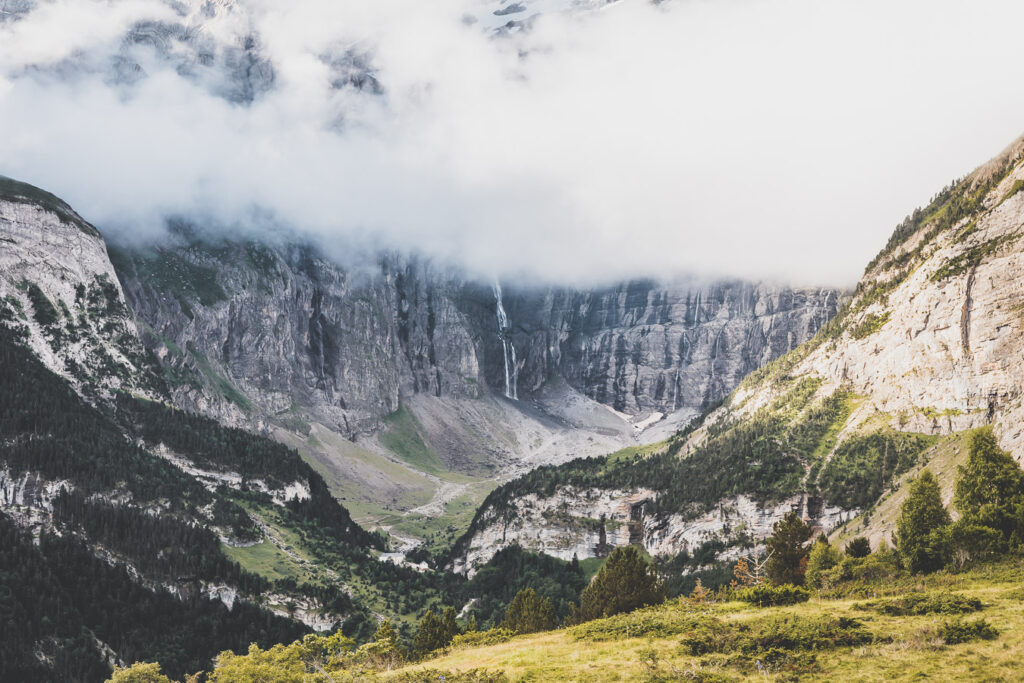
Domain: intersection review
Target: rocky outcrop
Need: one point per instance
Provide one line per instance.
(59, 289)
(591, 522)
(940, 351)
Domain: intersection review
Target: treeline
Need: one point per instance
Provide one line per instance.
(49, 429)
(512, 570)
(160, 546)
(57, 596)
(211, 445)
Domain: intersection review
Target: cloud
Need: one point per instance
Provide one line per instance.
(762, 139)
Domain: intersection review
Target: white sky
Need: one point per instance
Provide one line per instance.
(774, 138)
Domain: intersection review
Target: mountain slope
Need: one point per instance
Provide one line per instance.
(928, 346)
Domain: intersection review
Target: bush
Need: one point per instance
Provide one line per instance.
(916, 604)
(963, 631)
(652, 623)
(822, 558)
(481, 638)
(791, 632)
(858, 547)
(770, 596)
(784, 632)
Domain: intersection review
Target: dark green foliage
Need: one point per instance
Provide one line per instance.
(58, 589)
(434, 633)
(858, 547)
(864, 466)
(788, 552)
(917, 604)
(990, 490)
(232, 517)
(625, 583)
(513, 569)
(211, 445)
(964, 631)
(529, 613)
(160, 546)
(35, 609)
(50, 430)
(762, 456)
(776, 632)
(767, 595)
(42, 309)
(921, 540)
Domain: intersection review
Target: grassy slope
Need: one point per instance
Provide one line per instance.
(905, 648)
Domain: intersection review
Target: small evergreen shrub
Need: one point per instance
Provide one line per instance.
(784, 632)
(480, 638)
(963, 631)
(650, 623)
(771, 596)
(917, 604)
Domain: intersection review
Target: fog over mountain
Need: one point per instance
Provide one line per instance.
(578, 143)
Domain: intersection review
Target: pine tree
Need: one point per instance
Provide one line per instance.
(625, 583)
(920, 530)
(529, 613)
(858, 547)
(990, 490)
(788, 560)
(428, 635)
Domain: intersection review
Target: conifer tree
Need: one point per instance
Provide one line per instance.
(625, 583)
(529, 613)
(920, 530)
(990, 490)
(858, 547)
(788, 554)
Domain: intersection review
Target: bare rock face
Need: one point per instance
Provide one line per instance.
(58, 288)
(272, 331)
(591, 522)
(642, 346)
(935, 335)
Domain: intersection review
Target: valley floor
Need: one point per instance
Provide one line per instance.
(655, 644)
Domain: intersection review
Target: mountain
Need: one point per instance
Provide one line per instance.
(394, 374)
(155, 396)
(925, 350)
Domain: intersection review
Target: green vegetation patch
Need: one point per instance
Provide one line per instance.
(864, 466)
(871, 324)
(402, 437)
(916, 604)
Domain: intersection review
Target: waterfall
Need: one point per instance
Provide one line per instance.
(509, 351)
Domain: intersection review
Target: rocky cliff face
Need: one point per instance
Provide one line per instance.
(284, 330)
(58, 286)
(644, 347)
